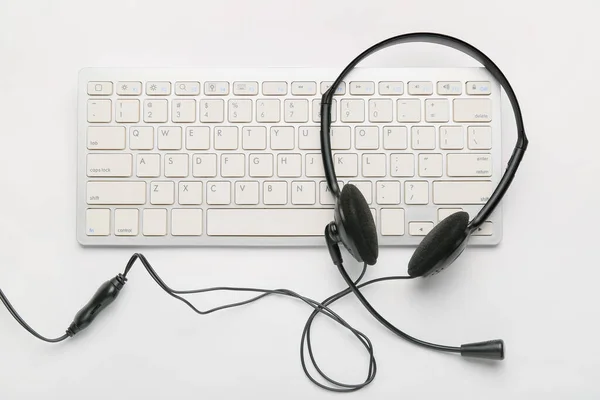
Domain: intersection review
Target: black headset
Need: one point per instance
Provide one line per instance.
(354, 226)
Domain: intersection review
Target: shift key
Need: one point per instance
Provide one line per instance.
(107, 192)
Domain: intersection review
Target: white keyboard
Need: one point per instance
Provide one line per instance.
(230, 157)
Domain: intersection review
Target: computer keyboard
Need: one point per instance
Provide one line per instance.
(230, 157)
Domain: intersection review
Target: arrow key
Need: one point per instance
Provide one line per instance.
(420, 228)
(486, 229)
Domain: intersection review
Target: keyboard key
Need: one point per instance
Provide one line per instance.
(188, 88)
(289, 165)
(380, 110)
(156, 111)
(423, 137)
(304, 88)
(99, 111)
(106, 138)
(409, 110)
(240, 110)
(116, 192)
(254, 138)
(226, 138)
(341, 89)
(109, 165)
(463, 164)
(183, 111)
(430, 165)
(268, 110)
(148, 165)
(472, 110)
(162, 192)
(352, 110)
(395, 137)
(158, 88)
(340, 137)
(246, 193)
(366, 137)
(204, 165)
(216, 88)
(154, 222)
(212, 110)
(127, 222)
(362, 88)
(346, 164)
(274, 88)
(373, 165)
(233, 165)
(444, 213)
(127, 111)
(480, 137)
(282, 137)
(391, 88)
(445, 88)
(129, 88)
(245, 88)
(309, 138)
(267, 222)
(314, 165)
(218, 193)
(169, 138)
(97, 222)
(296, 111)
(402, 165)
(176, 165)
(316, 110)
(436, 110)
(325, 194)
(420, 88)
(186, 222)
(388, 192)
(190, 193)
(420, 228)
(479, 88)
(99, 88)
(261, 165)
(452, 137)
(275, 193)
(197, 138)
(416, 192)
(486, 229)
(392, 221)
(461, 192)
(303, 193)
(366, 188)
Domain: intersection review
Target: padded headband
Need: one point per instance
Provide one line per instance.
(469, 50)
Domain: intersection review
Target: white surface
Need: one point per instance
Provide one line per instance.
(537, 290)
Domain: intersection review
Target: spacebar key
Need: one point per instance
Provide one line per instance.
(268, 222)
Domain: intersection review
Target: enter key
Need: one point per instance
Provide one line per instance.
(462, 164)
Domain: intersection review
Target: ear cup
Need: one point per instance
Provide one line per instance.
(356, 226)
(441, 246)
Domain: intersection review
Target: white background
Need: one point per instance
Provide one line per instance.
(537, 290)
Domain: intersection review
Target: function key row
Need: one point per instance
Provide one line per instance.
(280, 88)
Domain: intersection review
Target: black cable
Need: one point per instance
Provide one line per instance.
(386, 323)
(306, 344)
(24, 324)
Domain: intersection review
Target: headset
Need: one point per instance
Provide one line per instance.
(354, 226)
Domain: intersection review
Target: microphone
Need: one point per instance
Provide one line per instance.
(491, 350)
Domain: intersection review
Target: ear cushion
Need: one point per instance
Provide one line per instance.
(359, 223)
(439, 244)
